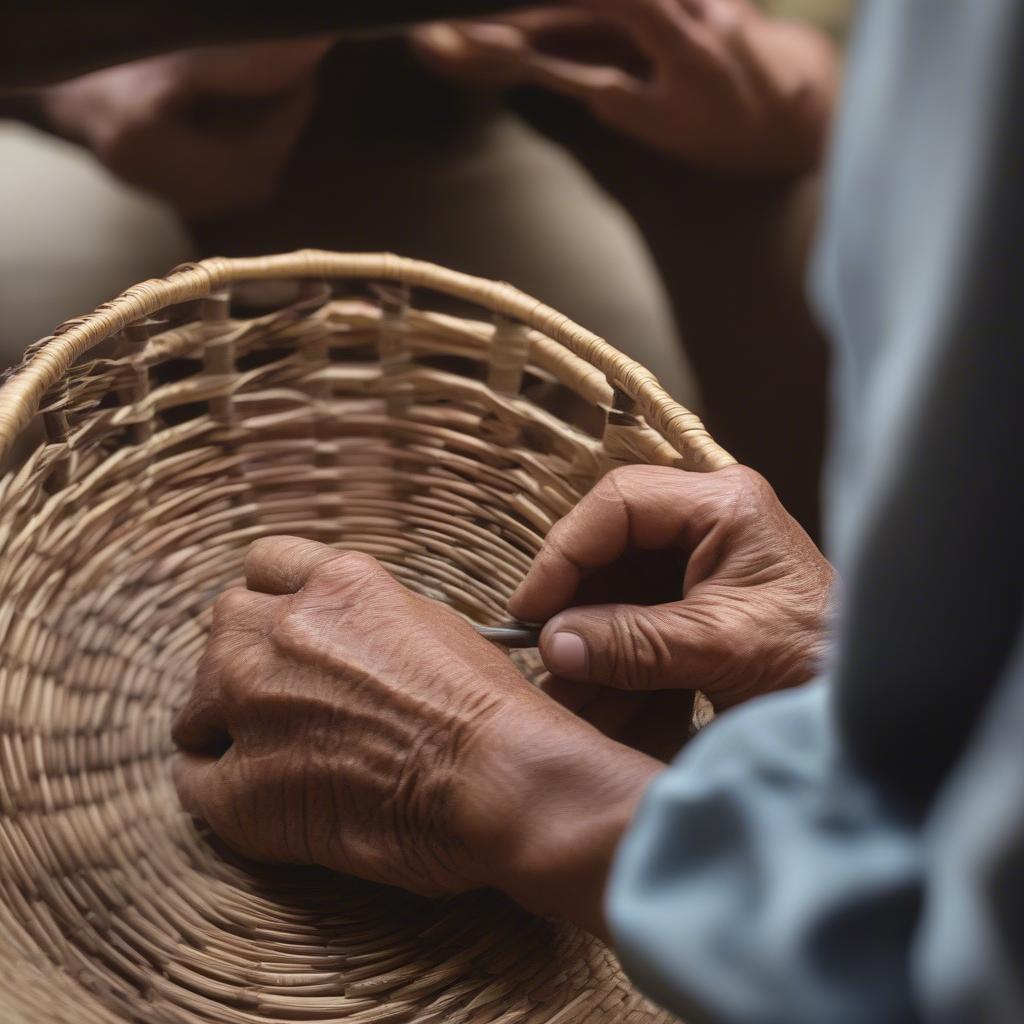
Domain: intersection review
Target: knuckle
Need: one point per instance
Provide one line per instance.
(612, 491)
(640, 655)
(231, 663)
(625, 481)
(559, 537)
(347, 568)
(750, 491)
(624, 478)
(292, 631)
(747, 480)
(276, 547)
(262, 547)
(229, 606)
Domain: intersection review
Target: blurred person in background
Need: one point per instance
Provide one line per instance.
(367, 144)
(344, 144)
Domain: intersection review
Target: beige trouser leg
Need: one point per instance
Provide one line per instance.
(508, 205)
(503, 202)
(71, 236)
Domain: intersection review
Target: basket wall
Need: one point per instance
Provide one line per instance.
(235, 400)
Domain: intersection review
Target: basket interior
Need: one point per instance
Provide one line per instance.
(444, 445)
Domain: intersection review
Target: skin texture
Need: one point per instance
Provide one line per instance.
(714, 82)
(208, 130)
(339, 719)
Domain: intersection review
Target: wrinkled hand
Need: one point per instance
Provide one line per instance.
(209, 130)
(342, 720)
(715, 82)
(749, 611)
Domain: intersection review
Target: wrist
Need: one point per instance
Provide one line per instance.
(567, 794)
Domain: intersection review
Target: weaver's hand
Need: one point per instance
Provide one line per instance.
(342, 720)
(749, 611)
(209, 130)
(715, 82)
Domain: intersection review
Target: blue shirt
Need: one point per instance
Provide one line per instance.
(854, 851)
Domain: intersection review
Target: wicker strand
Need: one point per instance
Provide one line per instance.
(20, 396)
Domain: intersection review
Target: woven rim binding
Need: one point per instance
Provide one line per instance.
(22, 393)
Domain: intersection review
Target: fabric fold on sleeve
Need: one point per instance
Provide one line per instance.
(763, 881)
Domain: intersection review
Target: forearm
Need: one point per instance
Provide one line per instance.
(46, 42)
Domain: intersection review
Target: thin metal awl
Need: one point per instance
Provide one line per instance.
(511, 634)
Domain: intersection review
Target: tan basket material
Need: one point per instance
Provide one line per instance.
(159, 436)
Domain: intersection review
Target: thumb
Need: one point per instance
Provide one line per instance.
(634, 647)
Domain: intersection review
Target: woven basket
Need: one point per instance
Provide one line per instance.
(159, 436)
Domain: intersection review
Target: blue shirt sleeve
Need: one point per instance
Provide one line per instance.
(764, 881)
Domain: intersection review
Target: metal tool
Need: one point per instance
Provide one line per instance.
(511, 634)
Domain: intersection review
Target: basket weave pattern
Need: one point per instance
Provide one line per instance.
(176, 431)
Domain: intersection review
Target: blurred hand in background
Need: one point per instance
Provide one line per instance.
(715, 82)
(209, 130)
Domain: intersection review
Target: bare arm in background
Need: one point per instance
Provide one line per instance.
(715, 83)
(207, 127)
(42, 43)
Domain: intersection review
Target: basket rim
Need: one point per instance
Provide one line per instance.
(23, 391)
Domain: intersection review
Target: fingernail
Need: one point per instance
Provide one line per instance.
(566, 655)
